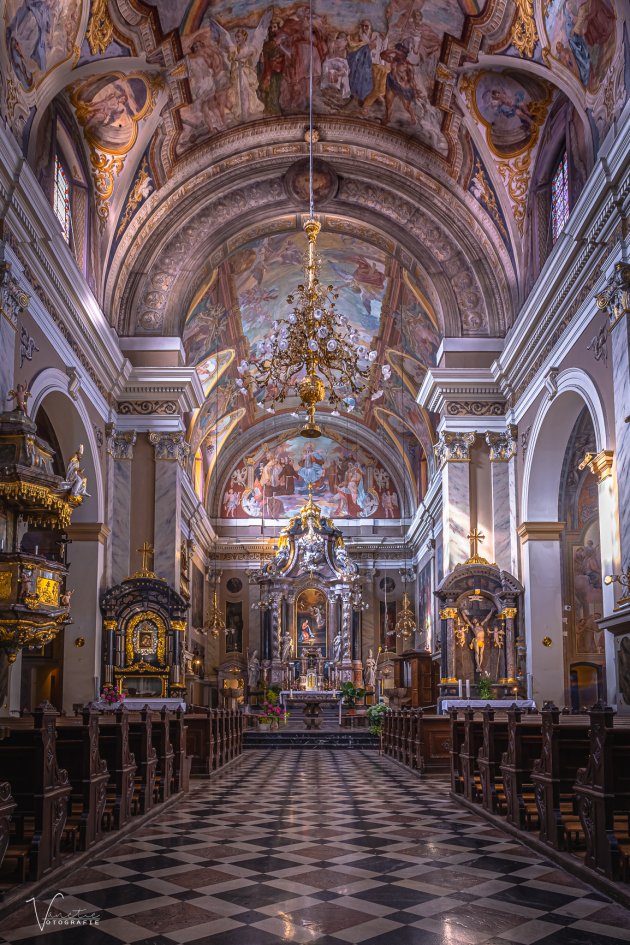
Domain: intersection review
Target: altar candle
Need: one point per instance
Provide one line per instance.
(460, 688)
(468, 688)
(36, 549)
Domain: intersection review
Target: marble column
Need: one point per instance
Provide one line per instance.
(502, 468)
(120, 449)
(83, 648)
(171, 452)
(542, 578)
(450, 615)
(453, 454)
(276, 633)
(615, 302)
(12, 302)
(509, 613)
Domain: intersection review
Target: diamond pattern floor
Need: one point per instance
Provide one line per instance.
(327, 847)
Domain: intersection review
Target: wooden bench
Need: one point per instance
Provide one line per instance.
(141, 745)
(469, 751)
(457, 741)
(495, 736)
(78, 752)
(40, 790)
(161, 741)
(434, 743)
(200, 741)
(565, 748)
(602, 789)
(181, 761)
(524, 746)
(113, 744)
(7, 806)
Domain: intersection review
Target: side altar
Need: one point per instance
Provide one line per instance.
(482, 652)
(310, 609)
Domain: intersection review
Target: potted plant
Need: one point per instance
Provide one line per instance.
(350, 695)
(111, 697)
(375, 714)
(485, 687)
(269, 717)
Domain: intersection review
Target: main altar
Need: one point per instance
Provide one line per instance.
(310, 605)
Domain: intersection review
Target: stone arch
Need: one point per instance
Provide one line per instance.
(72, 426)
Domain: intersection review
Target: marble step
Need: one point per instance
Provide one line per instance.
(310, 740)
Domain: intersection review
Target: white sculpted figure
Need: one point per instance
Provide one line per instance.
(478, 643)
(370, 671)
(76, 482)
(337, 648)
(287, 647)
(253, 670)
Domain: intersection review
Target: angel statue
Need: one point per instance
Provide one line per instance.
(20, 394)
(244, 51)
(75, 482)
(478, 643)
(369, 674)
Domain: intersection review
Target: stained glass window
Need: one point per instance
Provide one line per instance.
(560, 197)
(61, 203)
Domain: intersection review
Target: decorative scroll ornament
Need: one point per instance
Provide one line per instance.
(167, 408)
(141, 189)
(524, 33)
(615, 298)
(13, 300)
(624, 581)
(482, 190)
(516, 175)
(104, 167)
(476, 408)
(453, 447)
(502, 446)
(100, 31)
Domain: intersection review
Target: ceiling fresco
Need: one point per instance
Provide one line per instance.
(346, 481)
(430, 115)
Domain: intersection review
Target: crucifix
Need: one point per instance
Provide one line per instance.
(475, 538)
(147, 552)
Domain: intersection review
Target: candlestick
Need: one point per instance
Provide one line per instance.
(36, 549)
(459, 683)
(468, 688)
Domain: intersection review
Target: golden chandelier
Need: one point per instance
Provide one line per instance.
(315, 352)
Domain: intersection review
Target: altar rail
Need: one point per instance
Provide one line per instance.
(68, 781)
(420, 741)
(563, 779)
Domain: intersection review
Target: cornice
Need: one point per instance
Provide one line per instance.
(164, 384)
(443, 385)
(540, 531)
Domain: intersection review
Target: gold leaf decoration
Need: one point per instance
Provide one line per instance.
(100, 31)
(524, 33)
(515, 175)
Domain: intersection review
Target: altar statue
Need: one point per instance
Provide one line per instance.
(20, 394)
(75, 481)
(337, 645)
(253, 670)
(478, 643)
(287, 647)
(370, 671)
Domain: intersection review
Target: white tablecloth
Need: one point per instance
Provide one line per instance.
(324, 695)
(482, 703)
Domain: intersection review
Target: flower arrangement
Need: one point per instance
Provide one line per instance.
(375, 715)
(111, 695)
(270, 713)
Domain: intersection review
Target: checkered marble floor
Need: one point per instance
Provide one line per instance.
(328, 847)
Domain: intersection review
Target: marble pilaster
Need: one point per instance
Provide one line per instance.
(120, 449)
(170, 453)
(82, 664)
(12, 302)
(502, 473)
(455, 513)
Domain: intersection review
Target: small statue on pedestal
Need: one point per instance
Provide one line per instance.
(287, 647)
(253, 670)
(75, 482)
(20, 394)
(370, 671)
(337, 644)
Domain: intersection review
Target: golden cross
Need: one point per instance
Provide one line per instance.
(147, 552)
(475, 538)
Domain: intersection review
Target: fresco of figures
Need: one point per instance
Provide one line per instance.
(204, 330)
(109, 107)
(266, 270)
(346, 482)
(511, 109)
(39, 35)
(582, 37)
(247, 60)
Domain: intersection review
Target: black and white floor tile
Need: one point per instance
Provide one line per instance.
(326, 847)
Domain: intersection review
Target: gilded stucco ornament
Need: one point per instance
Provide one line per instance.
(524, 32)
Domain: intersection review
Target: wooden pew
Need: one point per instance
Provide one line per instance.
(434, 749)
(387, 733)
(161, 740)
(40, 790)
(181, 761)
(473, 739)
(78, 753)
(140, 743)
(524, 747)
(602, 790)
(200, 741)
(495, 735)
(565, 747)
(414, 740)
(7, 806)
(457, 741)
(113, 743)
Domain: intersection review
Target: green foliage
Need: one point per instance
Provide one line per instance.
(375, 714)
(351, 694)
(484, 688)
(272, 694)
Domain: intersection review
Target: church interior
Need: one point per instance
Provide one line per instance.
(315, 472)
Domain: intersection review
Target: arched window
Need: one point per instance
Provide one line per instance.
(560, 196)
(61, 198)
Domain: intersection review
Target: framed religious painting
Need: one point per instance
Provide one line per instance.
(234, 626)
(310, 620)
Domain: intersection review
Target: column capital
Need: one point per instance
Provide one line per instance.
(453, 447)
(120, 444)
(614, 300)
(540, 531)
(600, 464)
(502, 445)
(170, 447)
